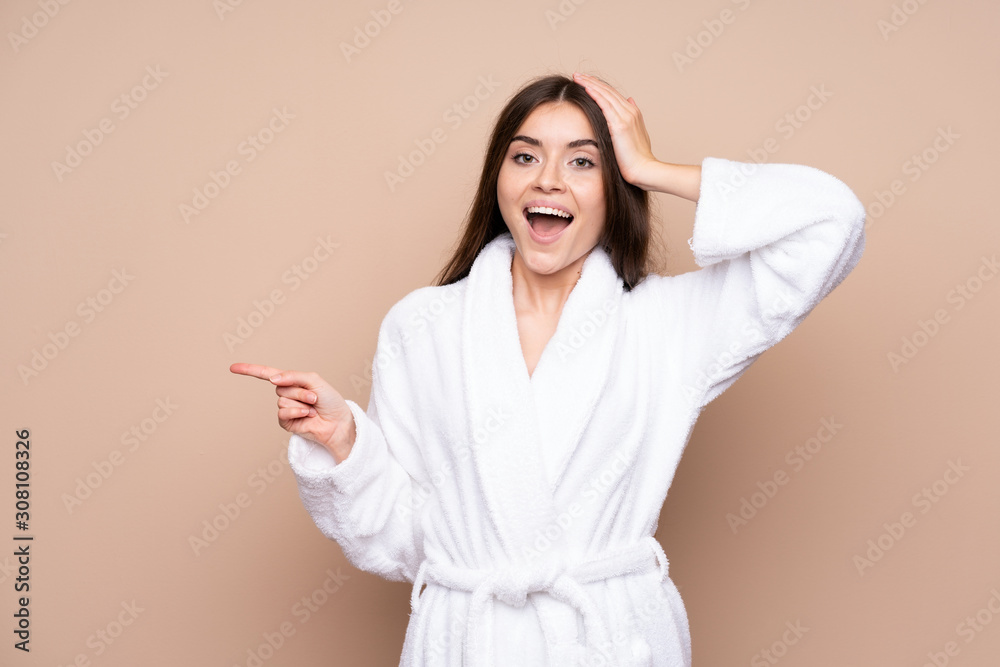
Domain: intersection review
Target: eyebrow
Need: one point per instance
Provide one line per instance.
(573, 144)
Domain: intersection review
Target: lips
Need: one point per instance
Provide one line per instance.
(545, 228)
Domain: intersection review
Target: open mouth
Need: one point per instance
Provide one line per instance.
(547, 222)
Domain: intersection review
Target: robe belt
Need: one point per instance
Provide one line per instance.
(513, 584)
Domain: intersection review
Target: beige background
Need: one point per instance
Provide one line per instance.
(163, 336)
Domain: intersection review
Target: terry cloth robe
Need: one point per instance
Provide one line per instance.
(527, 505)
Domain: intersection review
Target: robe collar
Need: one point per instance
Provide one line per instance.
(501, 405)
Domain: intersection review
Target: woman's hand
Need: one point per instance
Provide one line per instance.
(628, 132)
(309, 406)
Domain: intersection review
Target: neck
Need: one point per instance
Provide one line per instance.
(543, 293)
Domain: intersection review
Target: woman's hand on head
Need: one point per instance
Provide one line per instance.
(628, 131)
(308, 406)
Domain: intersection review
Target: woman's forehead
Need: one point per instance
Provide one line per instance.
(556, 125)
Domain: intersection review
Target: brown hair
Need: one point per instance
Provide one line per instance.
(626, 235)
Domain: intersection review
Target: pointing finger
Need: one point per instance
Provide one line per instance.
(255, 370)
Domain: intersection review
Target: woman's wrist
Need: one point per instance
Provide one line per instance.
(341, 441)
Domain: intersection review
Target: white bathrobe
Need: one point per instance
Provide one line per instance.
(528, 504)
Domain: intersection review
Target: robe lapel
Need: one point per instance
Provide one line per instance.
(503, 427)
(574, 369)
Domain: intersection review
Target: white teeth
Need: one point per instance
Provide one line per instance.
(549, 211)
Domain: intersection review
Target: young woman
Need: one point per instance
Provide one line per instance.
(528, 411)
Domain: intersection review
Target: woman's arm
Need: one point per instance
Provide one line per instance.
(364, 502)
(771, 247)
(772, 240)
(683, 180)
(369, 501)
(356, 471)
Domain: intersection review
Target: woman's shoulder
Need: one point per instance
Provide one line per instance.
(658, 299)
(654, 288)
(425, 307)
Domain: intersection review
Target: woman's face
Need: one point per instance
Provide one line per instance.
(553, 161)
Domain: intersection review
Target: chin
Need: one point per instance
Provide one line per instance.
(542, 265)
(544, 260)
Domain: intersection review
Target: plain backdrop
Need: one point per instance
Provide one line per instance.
(193, 183)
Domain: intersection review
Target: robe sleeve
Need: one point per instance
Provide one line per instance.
(772, 240)
(365, 503)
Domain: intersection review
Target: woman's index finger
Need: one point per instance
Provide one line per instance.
(254, 370)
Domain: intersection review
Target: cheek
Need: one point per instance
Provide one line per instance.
(505, 188)
(595, 203)
(509, 193)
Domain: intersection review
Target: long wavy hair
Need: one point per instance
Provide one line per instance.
(626, 236)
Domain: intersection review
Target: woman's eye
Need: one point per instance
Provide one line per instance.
(579, 161)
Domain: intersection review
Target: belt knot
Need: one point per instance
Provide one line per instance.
(512, 584)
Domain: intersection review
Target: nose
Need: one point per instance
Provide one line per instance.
(549, 177)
